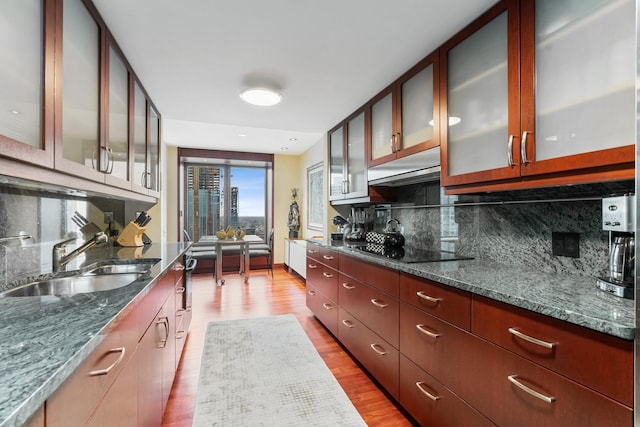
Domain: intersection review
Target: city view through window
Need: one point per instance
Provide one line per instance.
(219, 196)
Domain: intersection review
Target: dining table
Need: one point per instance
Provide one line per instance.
(243, 243)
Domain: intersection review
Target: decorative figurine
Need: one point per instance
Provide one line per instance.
(294, 215)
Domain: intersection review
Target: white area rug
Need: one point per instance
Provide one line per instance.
(265, 372)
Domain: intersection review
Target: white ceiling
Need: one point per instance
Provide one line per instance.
(327, 56)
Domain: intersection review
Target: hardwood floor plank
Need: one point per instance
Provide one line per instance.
(264, 296)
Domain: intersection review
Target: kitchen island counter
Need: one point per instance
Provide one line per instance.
(44, 339)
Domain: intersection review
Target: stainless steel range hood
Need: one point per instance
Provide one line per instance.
(416, 168)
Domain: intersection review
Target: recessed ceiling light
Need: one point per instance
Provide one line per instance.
(293, 139)
(261, 96)
(242, 134)
(14, 111)
(284, 148)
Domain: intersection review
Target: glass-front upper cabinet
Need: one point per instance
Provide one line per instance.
(153, 157)
(78, 149)
(348, 165)
(403, 117)
(26, 92)
(336, 163)
(118, 120)
(139, 138)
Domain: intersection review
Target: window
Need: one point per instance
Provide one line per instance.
(220, 193)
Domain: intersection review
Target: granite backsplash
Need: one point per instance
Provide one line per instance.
(513, 228)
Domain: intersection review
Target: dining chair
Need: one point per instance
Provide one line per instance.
(264, 251)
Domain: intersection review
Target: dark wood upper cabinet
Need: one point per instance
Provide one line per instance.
(539, 90)
(404, 115)
(348, 167)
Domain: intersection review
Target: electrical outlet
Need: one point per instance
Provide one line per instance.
(108, 217)
(565, 244)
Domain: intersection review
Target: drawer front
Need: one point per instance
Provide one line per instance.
(381, 278)
(153, 300)
(379, 311)
(434, 345)
(432, 404)
(597, 360)
(325, 309)
(78, 396)
(513, 391)
(324, 279)
(450, 304)
(322, 255)
(375, 354)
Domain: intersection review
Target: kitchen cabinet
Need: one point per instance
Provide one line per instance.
(27, 85)
(528, 97)
(348, 169)
(322, 285)
(37, 419)
(296, 256)
(404, 117)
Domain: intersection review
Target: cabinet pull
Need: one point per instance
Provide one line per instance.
(108, 369)
(422, 387)
(180, 290)
(427, 332)
(165, 322)
(312, 266)
(110, 161)
(327, 306)
(523, 147)
(329, 257)
(392, 141)
(375, 348)
(311, 293)
(532, 392)
(347, 189)
(532, 340)
(180, 335)
(510, 151)
(327, 275)
(180, 312)
(312, 251)
(428, 298)
(347, 285)
(348, 323)
(379, 303)
(398, 141)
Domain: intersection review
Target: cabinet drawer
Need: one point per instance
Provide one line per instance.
(376, 355)
(450, 304)
(153, 300)
(325, 309)
(78, 396)
(324, 279)
(431, 403)
(597, 360)
(513, 391)
(381, 278)
(434, 345)
(379, 311)
(323, 255)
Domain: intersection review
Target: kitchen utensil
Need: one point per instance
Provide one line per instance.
(392, 235)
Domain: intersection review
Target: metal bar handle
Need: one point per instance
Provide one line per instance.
(375, 348)
(347, 285)
(532, 340)
(105, 371)
(348, 323)
(312, 266)
(311, 293)
(427, 332)
(327, 306)
(510, 151)
(523, 147)
(428, 298)
(312, 251)
(532, 392)
(165, 323)
(329, 257)
(379, 303)
(327, 275)
(422, 387)
(180, 290)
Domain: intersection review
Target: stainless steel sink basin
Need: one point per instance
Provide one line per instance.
(73, 285)
(118, 269)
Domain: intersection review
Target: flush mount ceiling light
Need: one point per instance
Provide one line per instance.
(261, 96)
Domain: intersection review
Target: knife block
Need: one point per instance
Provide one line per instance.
(131, 235)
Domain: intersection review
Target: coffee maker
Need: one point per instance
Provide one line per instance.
(618, 218)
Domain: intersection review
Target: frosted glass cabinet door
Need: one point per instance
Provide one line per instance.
(153, 167)
(139, 136)
(478, 100)
(356, 162)
(417, 108)
(382, 127)
(585, 76)
(118, 117)
(336, 163)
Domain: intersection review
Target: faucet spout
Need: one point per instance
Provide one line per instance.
(60, 256)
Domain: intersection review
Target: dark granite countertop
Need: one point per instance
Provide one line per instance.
(572, 298)
(44, 339)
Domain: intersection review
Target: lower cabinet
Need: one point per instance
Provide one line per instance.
(324, 308)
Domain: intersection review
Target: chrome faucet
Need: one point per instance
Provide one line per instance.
(60, 257)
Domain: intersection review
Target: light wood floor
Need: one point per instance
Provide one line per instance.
(264, 296)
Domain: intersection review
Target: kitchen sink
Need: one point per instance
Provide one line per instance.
(118, 269)
(73, 285)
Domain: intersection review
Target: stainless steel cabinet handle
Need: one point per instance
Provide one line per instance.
(312, 266)
(105, 371)
(165, 322)
(532, 392)
(327, 306)
(422, 387)
(348, 323)
(379, 303)
(347, 285)
(312, 251)
(327, 275)
(375, 347)
(180, 335)
(428, 298)
(398, 141)
(523, 147)
(533, 340)
(427, 332)
(329, 257)
(110, 161)
(180, 312)
(180, 290)
(510, 151)
(311, 293)
(347, 190)
(392, 142)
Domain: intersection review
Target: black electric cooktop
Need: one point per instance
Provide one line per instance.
(408, 254)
